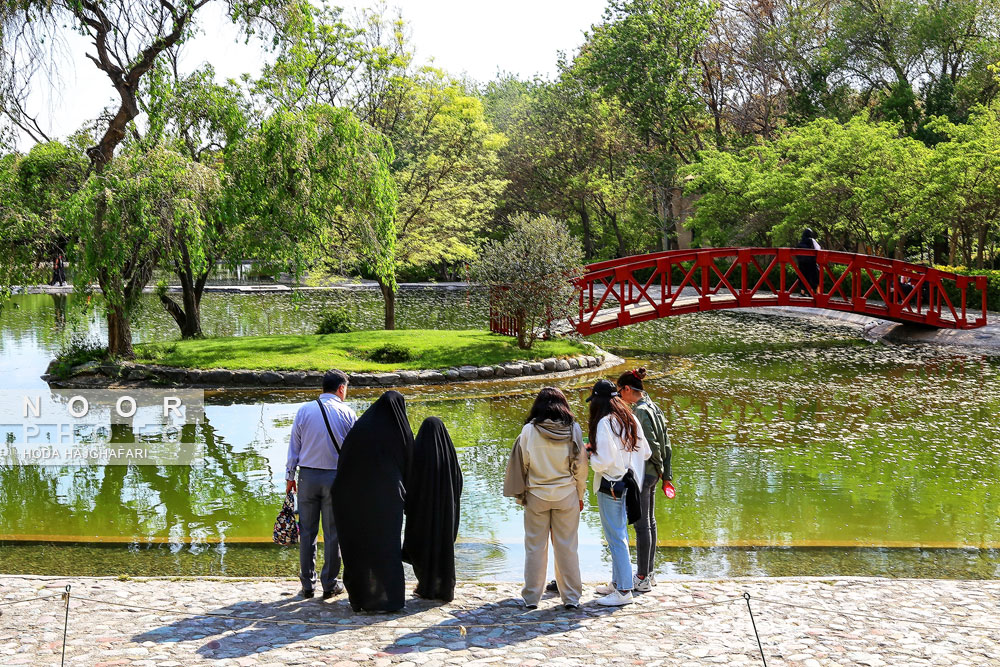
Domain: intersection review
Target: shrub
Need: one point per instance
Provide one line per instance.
(334, 321)
(530, 274)
(390, 353)
(79, 350)
(156, 351)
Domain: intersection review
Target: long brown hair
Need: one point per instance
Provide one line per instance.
(550, 404)
(622, 422)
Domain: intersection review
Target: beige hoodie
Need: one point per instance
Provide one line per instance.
(549, 460)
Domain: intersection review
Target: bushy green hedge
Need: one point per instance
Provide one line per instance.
(992, 283)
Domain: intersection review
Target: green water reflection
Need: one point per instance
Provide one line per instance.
(798, 450)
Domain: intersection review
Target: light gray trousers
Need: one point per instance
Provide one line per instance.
(315, 504)
(560, 522)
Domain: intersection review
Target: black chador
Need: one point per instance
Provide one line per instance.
(432, 511)
(368, 498)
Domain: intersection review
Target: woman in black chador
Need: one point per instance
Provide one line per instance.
(432, 511)
(368, 498)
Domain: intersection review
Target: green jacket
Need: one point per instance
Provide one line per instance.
(654, 427)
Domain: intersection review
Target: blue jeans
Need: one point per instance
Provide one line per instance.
(615, 525)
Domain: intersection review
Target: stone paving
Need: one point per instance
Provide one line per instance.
(682, 622)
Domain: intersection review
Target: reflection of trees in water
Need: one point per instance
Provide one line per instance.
(178, 502)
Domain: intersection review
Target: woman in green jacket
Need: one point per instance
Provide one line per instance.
(654, 427)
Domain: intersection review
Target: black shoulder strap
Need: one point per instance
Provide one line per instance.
(322, 411)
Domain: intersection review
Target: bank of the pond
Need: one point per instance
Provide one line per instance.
(808, 622)
(418, 357)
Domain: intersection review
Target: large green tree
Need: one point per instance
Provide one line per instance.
(963, 185)
(573, 154)
(33, 189)
(315, 182)
(127, 218)
(858, 184)
(445, 164)
(126, 38)
(202, 120)
(644, 56)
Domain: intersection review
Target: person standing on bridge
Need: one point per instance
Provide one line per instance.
(807, 263)
(654, 427)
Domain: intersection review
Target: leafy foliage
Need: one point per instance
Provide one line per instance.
(334, 321)
(130, 216)
(390, 353)
(529, 273)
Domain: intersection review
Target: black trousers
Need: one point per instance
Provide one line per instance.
(645, 527)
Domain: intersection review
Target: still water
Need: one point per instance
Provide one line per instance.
(798, 449)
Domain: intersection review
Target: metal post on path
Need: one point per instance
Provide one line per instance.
(65, 624)
(746, 596)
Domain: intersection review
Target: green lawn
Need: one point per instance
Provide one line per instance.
(348, 352)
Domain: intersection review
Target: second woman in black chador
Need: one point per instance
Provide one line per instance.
(368, 499)
(432, 511)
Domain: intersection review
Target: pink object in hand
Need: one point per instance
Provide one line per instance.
(668, 489)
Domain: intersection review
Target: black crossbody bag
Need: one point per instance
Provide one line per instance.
(614, 489)
(322, 411)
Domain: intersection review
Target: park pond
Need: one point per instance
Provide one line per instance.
(799, 449)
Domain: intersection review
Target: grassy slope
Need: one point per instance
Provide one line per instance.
(430, 349)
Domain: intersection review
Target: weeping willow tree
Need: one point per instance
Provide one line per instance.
(311, 184)
(125, 40)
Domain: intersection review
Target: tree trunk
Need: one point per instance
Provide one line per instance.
(940, 251)
(661, 199)
(389, 296)
(622, 250)
(524, 337)
(588, 233)
(900, 249)
(188, 315)
(119, 334)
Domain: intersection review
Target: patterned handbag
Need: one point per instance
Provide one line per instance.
(286, 528)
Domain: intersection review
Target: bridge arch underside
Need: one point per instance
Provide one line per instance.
(637, 289)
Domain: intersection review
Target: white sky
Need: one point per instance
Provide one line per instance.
(469, 37)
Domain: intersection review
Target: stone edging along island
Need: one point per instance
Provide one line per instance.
(95, 375)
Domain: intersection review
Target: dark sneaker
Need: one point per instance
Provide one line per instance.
(571, 607)
(552, 587)
(306, 594)
(336, 590)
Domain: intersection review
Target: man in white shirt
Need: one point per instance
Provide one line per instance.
(318, 432)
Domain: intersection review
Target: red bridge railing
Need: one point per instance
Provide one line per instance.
(635, 289)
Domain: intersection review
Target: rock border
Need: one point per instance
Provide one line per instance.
(93, 374)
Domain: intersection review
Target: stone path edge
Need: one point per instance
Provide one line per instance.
(93, 375)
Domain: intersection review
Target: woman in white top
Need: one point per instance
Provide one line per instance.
(618, 447)
(547, 472)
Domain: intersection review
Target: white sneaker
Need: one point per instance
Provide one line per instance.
(605, 589)
(616, 599)
(642, 585)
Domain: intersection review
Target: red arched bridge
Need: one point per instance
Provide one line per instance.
(635, 289)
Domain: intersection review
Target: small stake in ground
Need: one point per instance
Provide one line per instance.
(65, 596)
(746, 596)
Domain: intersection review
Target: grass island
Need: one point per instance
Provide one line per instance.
(356, 351)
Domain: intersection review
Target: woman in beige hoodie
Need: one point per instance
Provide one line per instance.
(547, 473)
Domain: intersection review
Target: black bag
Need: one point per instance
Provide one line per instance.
(614, 489)
(625, 487)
